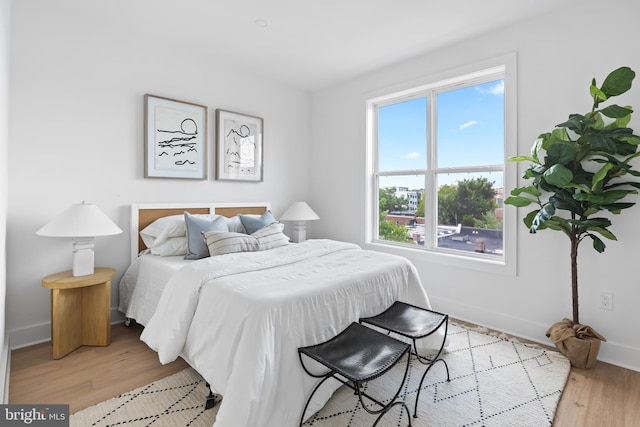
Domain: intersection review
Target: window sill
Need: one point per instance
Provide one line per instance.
(419, 256)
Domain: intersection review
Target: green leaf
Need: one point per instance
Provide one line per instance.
(590, 223)
(552, 224)
(598, 244)
(622, 122)
(600, 175)
(633, 139)
(598, 123)
(604, 232)
(623, 183)
(558, 175)
(596, 92)
(616, 112)
(534, 170)
(618, 82)
(602, 142)
(564, 200)
(560, 153)
(576, 123)
(521, 159)
(615, 208)
(625, 149)
(536, 146)
(528, 219)
(518, 201)
(527, 190)
(605, 197)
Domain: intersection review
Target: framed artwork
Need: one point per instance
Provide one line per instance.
(175, 137)
(238, 147)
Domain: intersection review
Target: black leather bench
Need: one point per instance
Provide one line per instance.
(415, 323)
(354, 357)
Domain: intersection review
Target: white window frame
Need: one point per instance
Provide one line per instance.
(498, 68)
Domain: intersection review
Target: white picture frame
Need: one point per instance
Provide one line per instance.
(175, 138)
(239, 144)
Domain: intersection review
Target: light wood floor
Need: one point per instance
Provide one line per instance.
(605, 396)
(89, 374)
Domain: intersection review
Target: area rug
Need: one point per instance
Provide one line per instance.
(495, 381)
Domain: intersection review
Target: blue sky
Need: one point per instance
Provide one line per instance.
(470, 132)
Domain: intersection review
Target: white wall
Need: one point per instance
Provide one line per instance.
(76, 102)
(557, 56)
(4, 178)
(76, 134)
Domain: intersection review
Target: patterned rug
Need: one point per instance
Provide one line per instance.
(494, 382)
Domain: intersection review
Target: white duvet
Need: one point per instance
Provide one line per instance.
(142, 284)
(238, 319)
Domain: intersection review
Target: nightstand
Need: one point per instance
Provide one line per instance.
(80, 309)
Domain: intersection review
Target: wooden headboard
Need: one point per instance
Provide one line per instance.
(143, 214)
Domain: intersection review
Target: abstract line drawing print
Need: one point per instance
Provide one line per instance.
(240, 147)
(176, 139)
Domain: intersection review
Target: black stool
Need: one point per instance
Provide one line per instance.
(415, 323)
(358, 354)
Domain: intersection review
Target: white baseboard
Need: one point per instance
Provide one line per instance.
(36, 334)
(610, 352)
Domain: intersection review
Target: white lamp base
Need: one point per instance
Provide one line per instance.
(83, 258)
(299, 232)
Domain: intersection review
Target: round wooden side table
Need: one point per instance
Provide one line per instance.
(80, 309)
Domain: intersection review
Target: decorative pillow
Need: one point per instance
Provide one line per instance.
(220, 243)
(196, 227)
(171, 247)
(253, 223)
(163, 228)
(269, 237)
(235, 225)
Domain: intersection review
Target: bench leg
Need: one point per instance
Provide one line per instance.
(211, 400)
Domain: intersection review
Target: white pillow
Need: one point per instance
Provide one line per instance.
(170, 247)
(163, 228)
(235, 225)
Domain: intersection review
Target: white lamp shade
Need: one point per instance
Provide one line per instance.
(80, 220)
(299, 211)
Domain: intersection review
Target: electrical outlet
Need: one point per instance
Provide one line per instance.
(606, 301)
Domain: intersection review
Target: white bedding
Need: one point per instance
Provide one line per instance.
(142, 284)
(238, 319)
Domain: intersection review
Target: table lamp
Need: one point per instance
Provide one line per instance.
(81, 221)
(299, 213)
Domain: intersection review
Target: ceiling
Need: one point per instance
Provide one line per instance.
(309, 44)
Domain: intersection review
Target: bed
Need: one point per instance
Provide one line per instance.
(239, 318)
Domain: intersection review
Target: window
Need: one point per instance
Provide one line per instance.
(437, 167)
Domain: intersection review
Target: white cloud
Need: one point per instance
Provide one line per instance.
(497, 89)
(413, 155)
(469, 123)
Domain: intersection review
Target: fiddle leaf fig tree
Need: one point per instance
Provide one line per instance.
(580, 170)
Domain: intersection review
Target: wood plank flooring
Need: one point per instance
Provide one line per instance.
(89, 374)
(605, 396)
